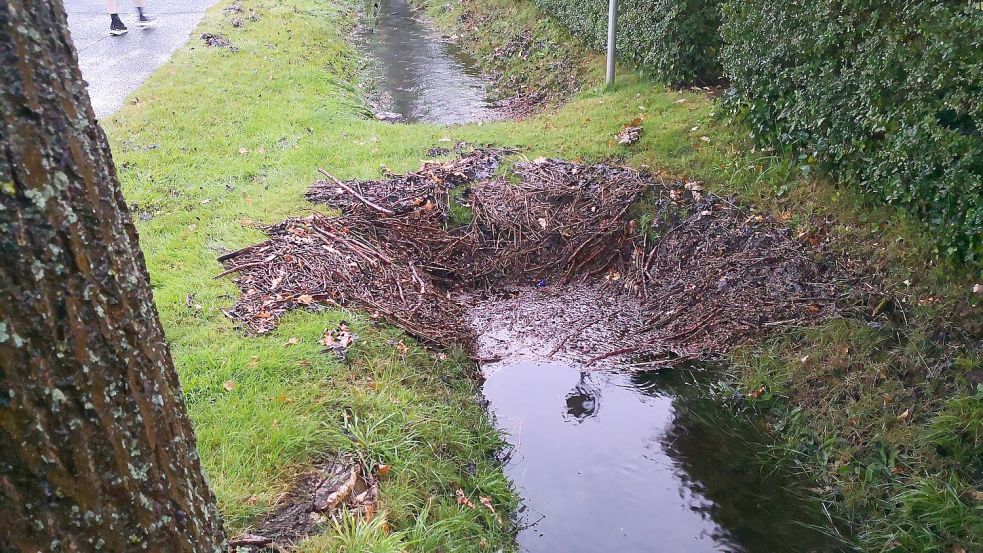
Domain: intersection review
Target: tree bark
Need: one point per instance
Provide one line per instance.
(96, 449)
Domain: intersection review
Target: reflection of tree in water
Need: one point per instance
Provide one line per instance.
(584, 401)
(718, 454)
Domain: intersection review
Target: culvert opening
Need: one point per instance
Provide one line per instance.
(557, 276)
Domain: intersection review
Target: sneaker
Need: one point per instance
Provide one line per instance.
(145, 22)
(117, 28)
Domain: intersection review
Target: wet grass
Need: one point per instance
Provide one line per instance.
(219, 142)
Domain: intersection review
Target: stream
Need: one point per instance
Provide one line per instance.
(604, 457)
(607, 458)
(418, 76)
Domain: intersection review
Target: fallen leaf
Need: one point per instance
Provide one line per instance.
(463, 499)
(757, 393)
(630, 133)
(292, 341)
(978, 289)
(243, 150)
(487, 502)
(904, 416)
(229, 385)
(402, 348)
(305, 299)
(383, 470)
(369, 512)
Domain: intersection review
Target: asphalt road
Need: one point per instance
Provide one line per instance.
(114, 66)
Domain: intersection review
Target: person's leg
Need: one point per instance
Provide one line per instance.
(116, 26)
(142, 19)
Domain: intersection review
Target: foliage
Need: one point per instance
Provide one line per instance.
(883, 96)
(674, 41)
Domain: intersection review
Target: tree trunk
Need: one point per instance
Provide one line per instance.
(96, 449)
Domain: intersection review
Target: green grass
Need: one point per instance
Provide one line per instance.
(219, 142)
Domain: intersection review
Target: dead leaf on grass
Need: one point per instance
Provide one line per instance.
(487, 502)
(463, 499)
(229, 385)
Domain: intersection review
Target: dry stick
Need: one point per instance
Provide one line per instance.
(239, 252)
(351, 191)
(244, 266)
(622, 351)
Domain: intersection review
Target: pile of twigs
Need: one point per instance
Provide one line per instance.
(710, 275)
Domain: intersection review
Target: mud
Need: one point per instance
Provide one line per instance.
(316, 501)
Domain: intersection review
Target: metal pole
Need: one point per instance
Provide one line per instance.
(612, 28)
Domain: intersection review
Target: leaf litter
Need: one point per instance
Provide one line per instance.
(699, 276)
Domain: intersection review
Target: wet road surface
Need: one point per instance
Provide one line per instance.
(114, 67)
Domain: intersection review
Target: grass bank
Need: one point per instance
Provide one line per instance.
(219, 142)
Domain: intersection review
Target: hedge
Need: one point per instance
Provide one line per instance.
(674, 41)
(884, 94)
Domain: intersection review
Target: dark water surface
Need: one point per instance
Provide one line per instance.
(419, 75)
(641, 462)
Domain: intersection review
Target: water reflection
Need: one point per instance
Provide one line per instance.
(584, 400)
(418, 75)
(657, 469)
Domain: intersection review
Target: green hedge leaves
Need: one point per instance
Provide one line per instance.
(886, 95)
(675, 41)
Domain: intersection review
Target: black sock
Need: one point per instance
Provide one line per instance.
(140, 12)
(114, 18)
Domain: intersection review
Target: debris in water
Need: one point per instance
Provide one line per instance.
(705, 275)
(388, 117)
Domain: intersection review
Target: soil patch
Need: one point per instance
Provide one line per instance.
(707, 275)
(317, 499)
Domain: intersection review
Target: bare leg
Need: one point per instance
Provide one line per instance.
(112, 6)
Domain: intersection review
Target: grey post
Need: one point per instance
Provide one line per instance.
(612, 28)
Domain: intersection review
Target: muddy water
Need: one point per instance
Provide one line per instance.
(607, 459)
(418, 74)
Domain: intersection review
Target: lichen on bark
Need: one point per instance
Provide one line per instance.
(97, 453)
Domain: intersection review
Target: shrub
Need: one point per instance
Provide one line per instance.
(883, 94)
(675, 41)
